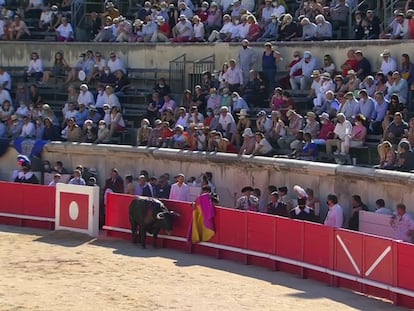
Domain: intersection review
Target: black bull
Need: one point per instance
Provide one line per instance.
(151, 216)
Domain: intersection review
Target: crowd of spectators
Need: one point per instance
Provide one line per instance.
(349, 102)
(199, 21)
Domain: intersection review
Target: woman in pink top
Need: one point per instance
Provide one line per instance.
(277, 99)
(357, 136)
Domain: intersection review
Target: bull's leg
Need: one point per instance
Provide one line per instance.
(143, 235)
(134, 231)
(154, 239)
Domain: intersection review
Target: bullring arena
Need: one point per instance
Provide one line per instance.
(47, 270)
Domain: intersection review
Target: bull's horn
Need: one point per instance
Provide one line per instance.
(160, 215)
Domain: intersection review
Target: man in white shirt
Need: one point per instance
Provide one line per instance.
(227, 122)
(342, 128)
(183, 30)
(35, 68)
(2, 27)
(381, 209)
(182, 118)
(5, 79)
(4, 95)
(101, 98)
(403, 224)
(115, 63)
(180, 191)
(262, 146)
(307, 64)
(225, 33)
(247, 59)
(233, 76)
(335, 217)
(28, 129)
(388, 63)
(64, 31)
(85, 96)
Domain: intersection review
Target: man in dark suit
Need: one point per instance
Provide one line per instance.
(275, 207)
(115, 182)
(302, 212)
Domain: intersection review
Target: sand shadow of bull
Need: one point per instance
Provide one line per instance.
(150, 215)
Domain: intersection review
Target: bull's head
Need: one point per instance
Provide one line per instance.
(165, 219)
(161, 215)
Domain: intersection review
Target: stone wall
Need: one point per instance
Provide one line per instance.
(231, 172)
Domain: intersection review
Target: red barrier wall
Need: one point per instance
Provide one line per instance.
(351, 254)
(348, 252)
(404, 264)
(11, 198)
(30, 201)
(38, 200)
(367, 263)
(318, 245)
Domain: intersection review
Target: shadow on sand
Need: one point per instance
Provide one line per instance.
(306, 288)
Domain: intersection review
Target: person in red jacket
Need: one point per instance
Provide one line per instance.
(254, 30)
(327, 128)
(163, 32)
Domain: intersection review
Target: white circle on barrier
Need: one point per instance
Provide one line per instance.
(73, 210)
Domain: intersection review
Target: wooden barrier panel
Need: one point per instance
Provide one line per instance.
(348, 252)
(38, 200)
(378, 259)
(318, 245)
(261, 233)
(232, 227)
(11, 198)
(376, 224)
(181, 223)
(117, 210)
(404, 264)
(289, 238)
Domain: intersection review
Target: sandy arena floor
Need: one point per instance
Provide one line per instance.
(44, 270)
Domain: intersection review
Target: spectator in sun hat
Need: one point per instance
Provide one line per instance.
(163, 30)
(398, 28)
(263, 122)
(103, 135)
(93, 114)
(388, 63)
(243, 123)
(249, 142)
(327, 128)
(89, 131)
(271, 30)
(214, 18)
(183, 30)
(227, 122)
(85, 96)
